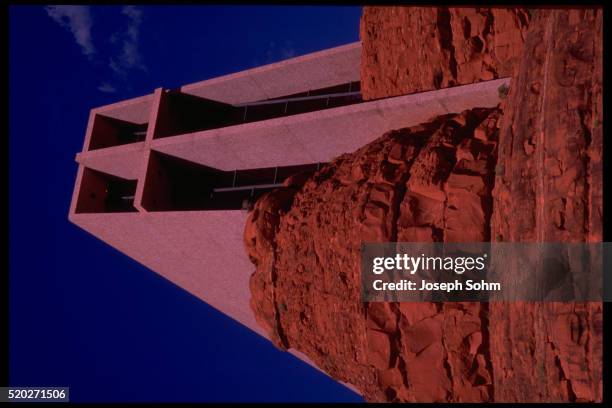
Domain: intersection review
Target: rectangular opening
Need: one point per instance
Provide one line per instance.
(342, 88)
(255, 113)
(181, 113)
(310, 101)
(174, 184)
(108, 132)
(104, 193)
(306, 105)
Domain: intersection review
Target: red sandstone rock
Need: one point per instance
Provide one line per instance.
(549, 173)
(456, 178)
(405, 186)
(416, 49)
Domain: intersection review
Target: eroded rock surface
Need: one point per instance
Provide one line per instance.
(416, 49)
(426, 183)
(548, 188)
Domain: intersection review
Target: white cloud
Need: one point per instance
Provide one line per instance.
(107, 88)
(130, 56)
(77, 20)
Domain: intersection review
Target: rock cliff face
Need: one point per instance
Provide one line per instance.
(550, 173)
(416, 49)
(527, 171)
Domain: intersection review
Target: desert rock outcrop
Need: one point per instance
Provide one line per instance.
(527, 171)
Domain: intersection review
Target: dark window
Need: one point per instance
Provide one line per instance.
(174, 184)
(108, 132)
(105, 193)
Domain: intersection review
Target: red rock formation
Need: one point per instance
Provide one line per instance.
(410, 185)
(416, 49)
(549, 172)
(456, 178)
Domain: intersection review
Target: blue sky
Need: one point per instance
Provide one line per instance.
(82, 314)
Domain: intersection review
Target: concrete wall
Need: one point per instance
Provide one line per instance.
(200, 251)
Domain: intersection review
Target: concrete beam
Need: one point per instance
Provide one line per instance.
(322, 135)
(121, 161)
(312, 71)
